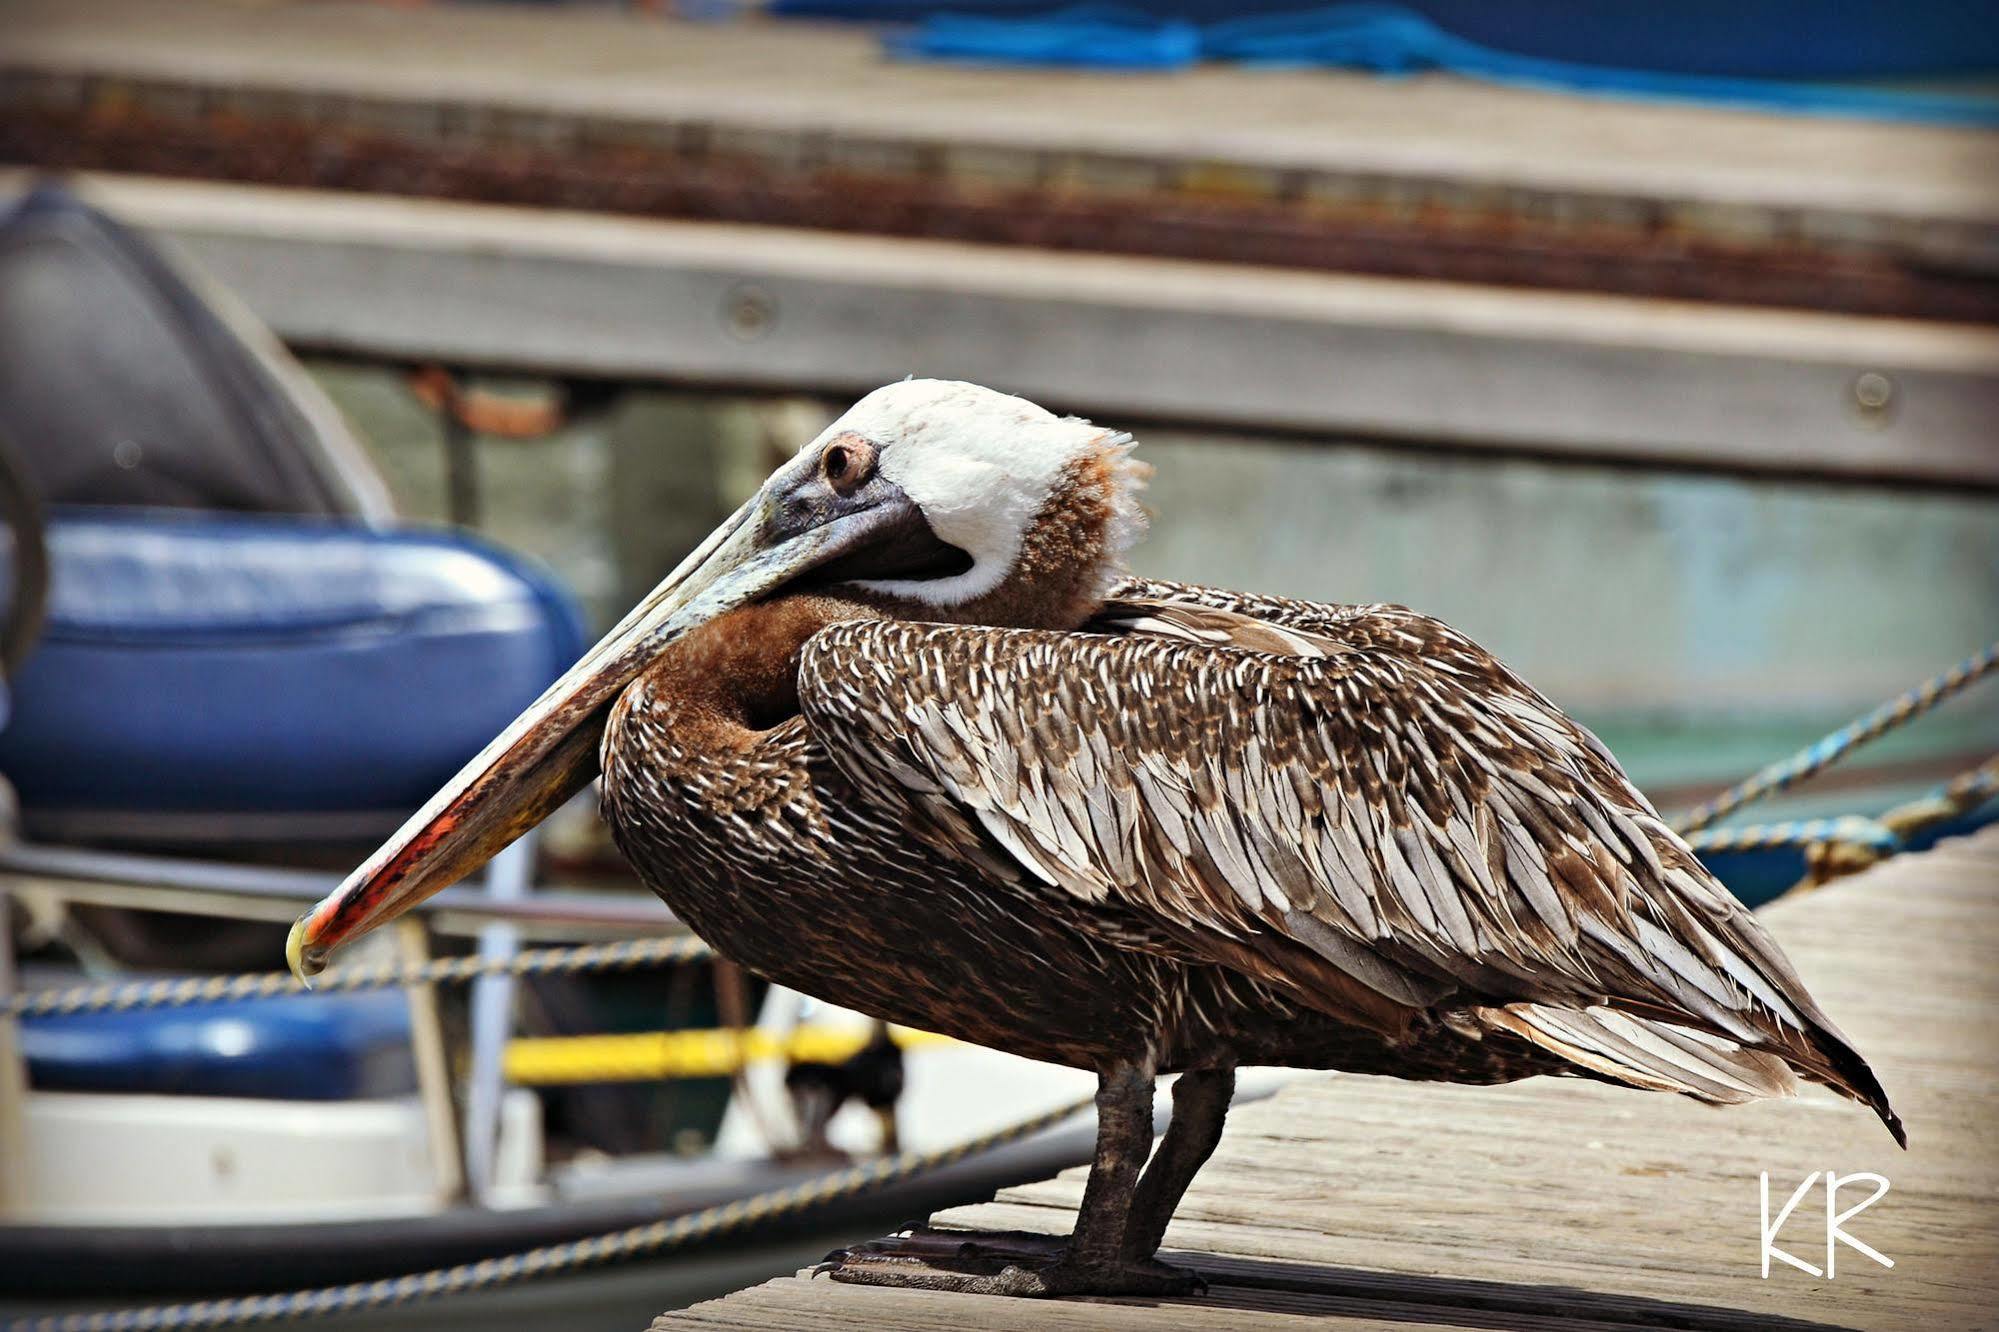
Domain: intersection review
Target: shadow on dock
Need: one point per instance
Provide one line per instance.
(1314, 1290)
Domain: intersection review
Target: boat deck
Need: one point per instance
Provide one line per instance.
(1362, 1202)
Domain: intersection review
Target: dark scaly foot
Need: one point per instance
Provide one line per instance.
(1095, 1260)
(1014, 1263)
(922, 1243)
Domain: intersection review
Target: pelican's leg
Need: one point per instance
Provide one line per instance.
(1096, 1259)
(1200, 1104)
(1124, 1136)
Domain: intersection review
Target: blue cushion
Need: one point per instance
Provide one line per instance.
(235, 664)
(295, 1047)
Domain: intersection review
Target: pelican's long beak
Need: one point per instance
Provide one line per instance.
(550, 751)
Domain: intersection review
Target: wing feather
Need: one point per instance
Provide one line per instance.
(1269, 781)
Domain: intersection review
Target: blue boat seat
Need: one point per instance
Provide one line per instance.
(326, 1047)
(249, 674)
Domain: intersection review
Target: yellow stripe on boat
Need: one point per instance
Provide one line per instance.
(703, 1053)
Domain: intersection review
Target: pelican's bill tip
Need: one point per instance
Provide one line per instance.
(304, 962)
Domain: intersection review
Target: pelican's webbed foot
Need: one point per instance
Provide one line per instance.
(1016, 1264)
(1119, 1222)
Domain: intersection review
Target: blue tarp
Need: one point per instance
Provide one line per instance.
(1766, 57)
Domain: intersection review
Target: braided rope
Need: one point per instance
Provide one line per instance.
(652, 1238)
(443, 970)
(1826, 861)
(1962, 794)
(1847, 829)
(1845, 845)
(1817, 758)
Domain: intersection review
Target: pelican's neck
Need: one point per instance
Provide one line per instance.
(742, 668)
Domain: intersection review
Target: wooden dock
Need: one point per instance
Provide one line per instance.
(1352, 1202)
(809, 125)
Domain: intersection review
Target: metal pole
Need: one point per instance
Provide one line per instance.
(433, 1070)
(508, 879)
(13, 1083)
(461, 458)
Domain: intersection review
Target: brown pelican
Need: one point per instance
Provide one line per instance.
(903, 734)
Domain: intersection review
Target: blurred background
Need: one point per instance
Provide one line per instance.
(360, 363)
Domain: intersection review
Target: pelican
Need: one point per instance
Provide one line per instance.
(904, 734)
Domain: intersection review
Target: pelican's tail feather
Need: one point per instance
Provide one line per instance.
(1648, 1053)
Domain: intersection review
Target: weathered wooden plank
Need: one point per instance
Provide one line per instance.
(809, 1305)
(1568, 373)
(1424, 177)
(1563, 1203)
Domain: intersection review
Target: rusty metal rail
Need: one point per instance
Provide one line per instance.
(1386, 227)
(276, 894)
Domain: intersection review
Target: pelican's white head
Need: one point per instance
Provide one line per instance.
(935, 500)
(1020, 491)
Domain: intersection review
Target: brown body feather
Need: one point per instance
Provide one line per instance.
(1207, 828)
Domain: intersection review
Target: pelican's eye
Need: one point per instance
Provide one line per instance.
(847, 463)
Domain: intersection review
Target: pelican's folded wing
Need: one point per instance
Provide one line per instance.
(1355, 803)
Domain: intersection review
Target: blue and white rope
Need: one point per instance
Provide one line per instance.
(181, 990)
(1811, 761)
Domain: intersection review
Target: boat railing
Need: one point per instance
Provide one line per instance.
(276, 894)
(614, 931)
